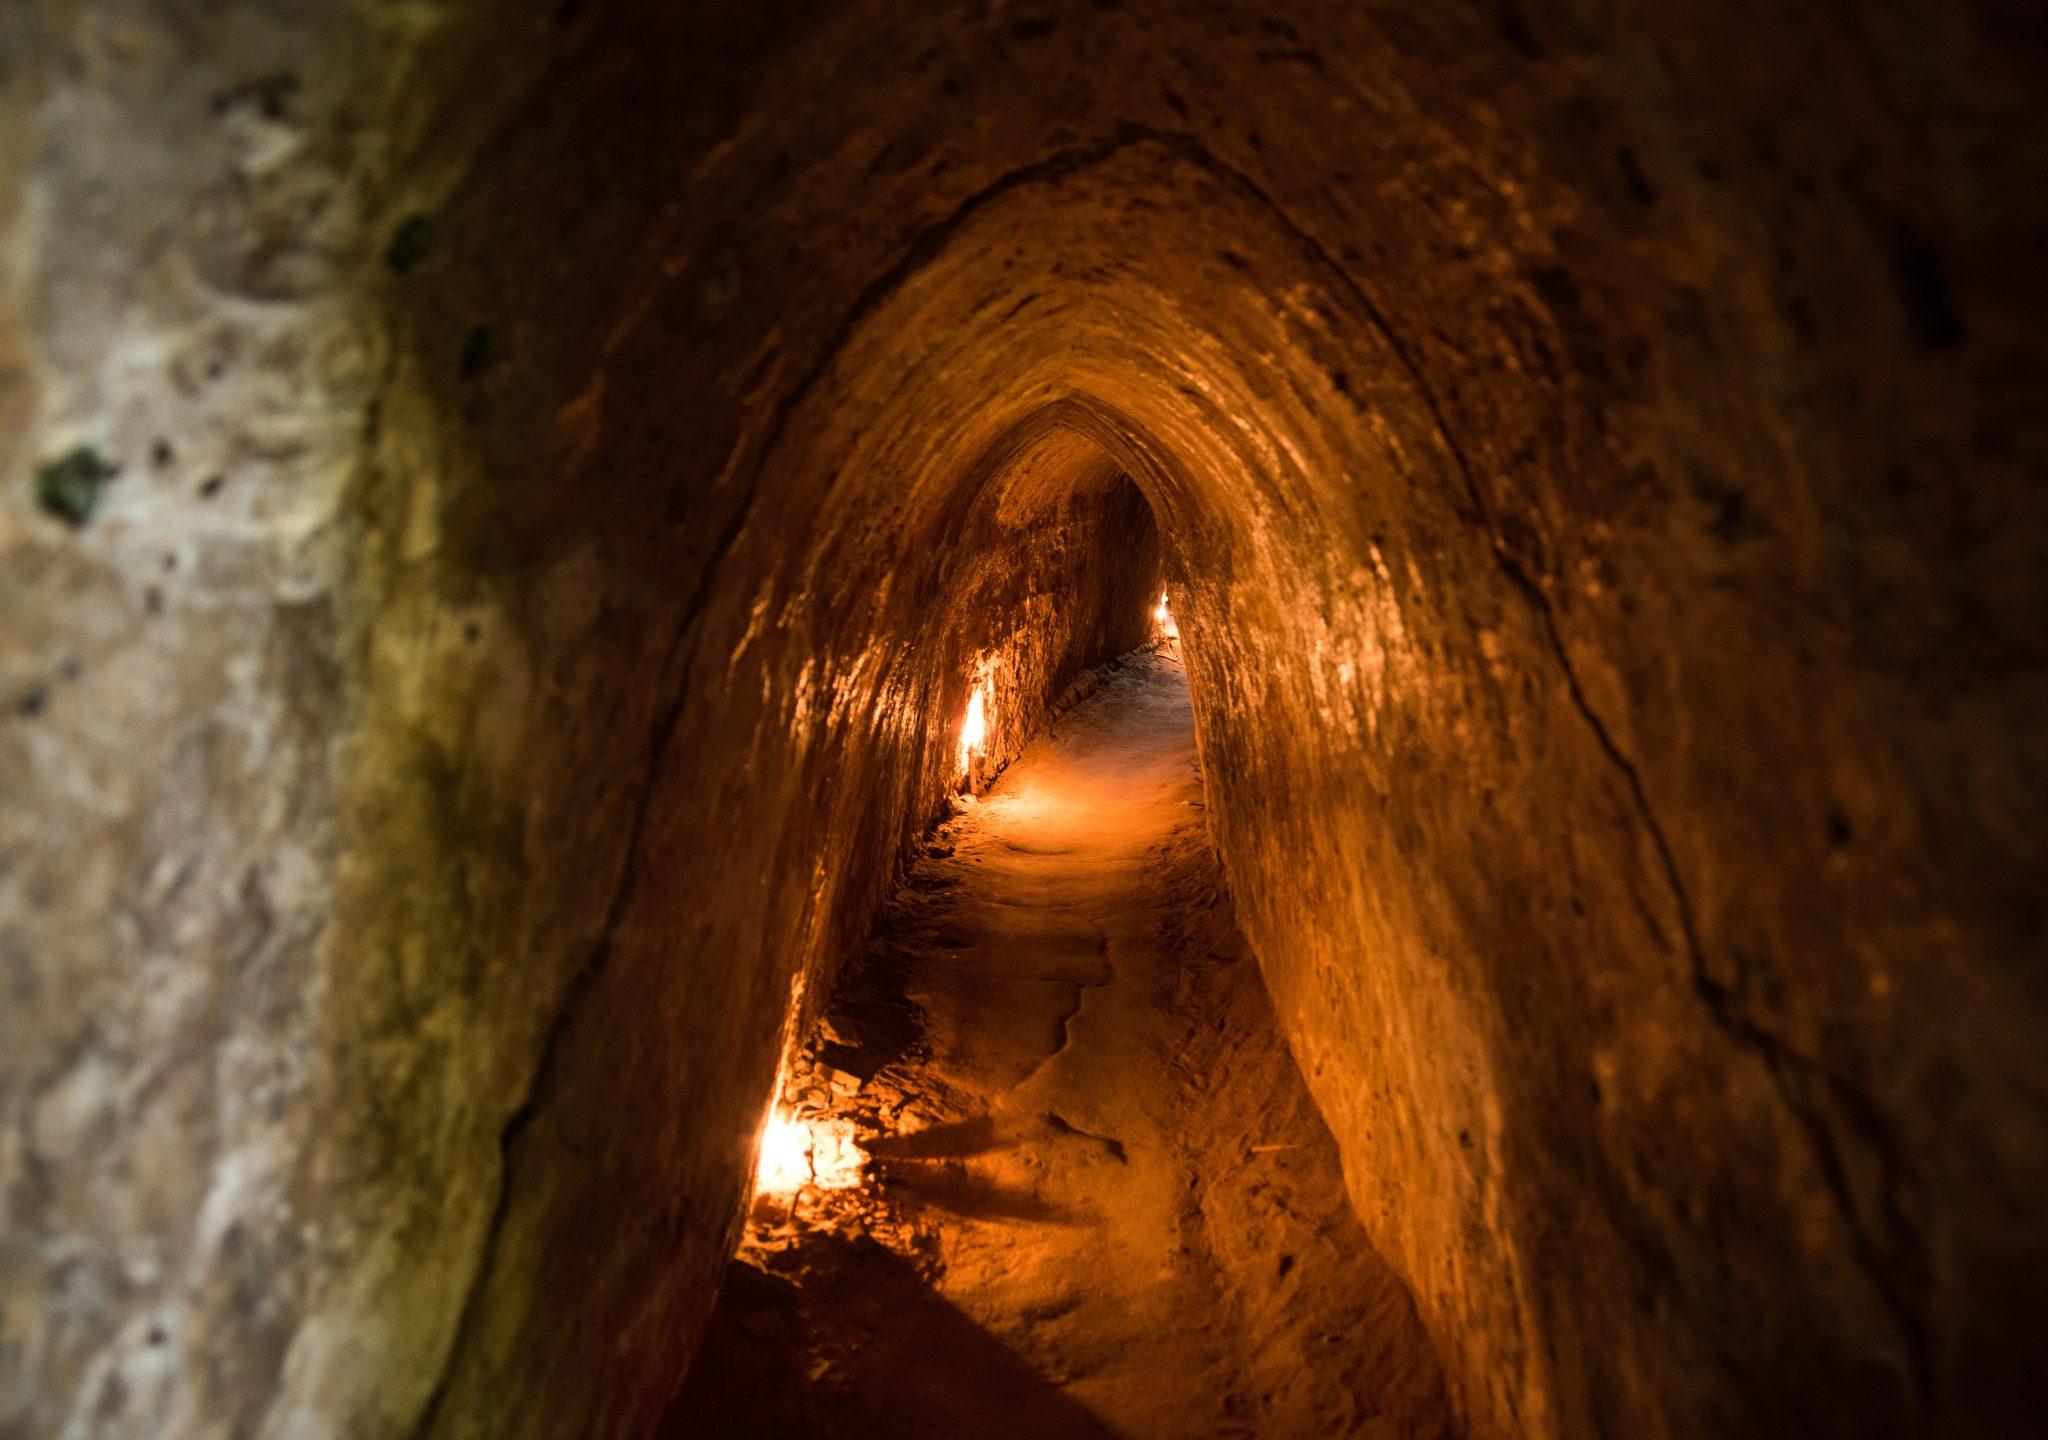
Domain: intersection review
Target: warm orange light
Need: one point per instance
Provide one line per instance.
(1163, 618)
(816, 1153)
(973, 730)
(785, 1164)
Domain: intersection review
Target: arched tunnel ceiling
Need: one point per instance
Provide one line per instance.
(573, 468)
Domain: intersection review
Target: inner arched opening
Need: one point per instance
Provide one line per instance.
(1040, 1140)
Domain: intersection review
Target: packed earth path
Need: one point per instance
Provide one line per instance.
(1063, 1177)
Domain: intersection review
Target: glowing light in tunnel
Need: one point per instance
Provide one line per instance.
(1163, 618)
(799, 1154)
(973, 730)
(785, 1164)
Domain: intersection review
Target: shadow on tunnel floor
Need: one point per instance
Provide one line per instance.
(864, 1349)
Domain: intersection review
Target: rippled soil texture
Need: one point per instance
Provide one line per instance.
(1099, 1201)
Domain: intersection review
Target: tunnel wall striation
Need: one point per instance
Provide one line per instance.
(763, 766)
(568, 468)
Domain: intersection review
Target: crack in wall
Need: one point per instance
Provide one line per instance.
(1790, 1072)
(559, 1023)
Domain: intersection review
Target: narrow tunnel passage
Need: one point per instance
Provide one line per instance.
(1096, 1197)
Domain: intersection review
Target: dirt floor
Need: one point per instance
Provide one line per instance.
(1095, 1197)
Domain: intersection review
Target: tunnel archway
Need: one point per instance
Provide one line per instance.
(1304, 474)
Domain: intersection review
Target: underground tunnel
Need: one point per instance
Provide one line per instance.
(1144, 718)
